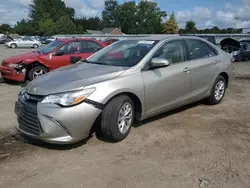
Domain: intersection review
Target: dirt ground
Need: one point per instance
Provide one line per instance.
(175, 149)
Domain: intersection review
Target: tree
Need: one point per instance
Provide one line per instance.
(65, 26)
(110, 13)
(149, 18)
(5, 28)
(170, 26)
(190, 27)
(25, 27)
(47, 27)
(40, 9)
(127, 17)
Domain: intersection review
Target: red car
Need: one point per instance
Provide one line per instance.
(59, 53)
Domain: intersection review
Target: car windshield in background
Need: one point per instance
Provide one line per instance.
(50, 47)
(125, 53)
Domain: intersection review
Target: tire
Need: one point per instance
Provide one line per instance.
(13, 45)
(217, 96)
(35, 46)
(111, 128)
(35, 71)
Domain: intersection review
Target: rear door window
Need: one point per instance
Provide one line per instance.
(198, 49)
(90, 46)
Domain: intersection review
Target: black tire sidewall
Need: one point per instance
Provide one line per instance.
(31, 71)
(13, 45)
(212, 96)
(35, 46)
(110, 114)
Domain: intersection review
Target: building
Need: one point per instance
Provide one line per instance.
(106, 31)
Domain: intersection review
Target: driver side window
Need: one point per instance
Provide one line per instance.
(173, 51)
(70, 48)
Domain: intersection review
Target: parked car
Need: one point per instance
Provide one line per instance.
(50, 39)
(43, 39)
(5, 39)
(243, 51)
(59, 53)
(110, 41)
(25, 42)
(127, 81)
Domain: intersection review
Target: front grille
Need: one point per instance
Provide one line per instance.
(27, 117)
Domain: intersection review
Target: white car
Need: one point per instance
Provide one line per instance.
(25, 42)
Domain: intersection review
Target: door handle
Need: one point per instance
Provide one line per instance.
(186, 70)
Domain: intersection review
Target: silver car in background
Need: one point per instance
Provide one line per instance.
(128, 81)
(24, 42)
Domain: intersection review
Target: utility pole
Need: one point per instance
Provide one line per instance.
(235, 24)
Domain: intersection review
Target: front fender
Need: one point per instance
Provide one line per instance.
(106, 90)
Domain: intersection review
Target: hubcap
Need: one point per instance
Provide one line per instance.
(219, 90)
(38, 73)
(125, 118)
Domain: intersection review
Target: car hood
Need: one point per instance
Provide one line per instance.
(72, 77)
(21, 57)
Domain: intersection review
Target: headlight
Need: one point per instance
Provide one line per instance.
(12, 65)
(234, 53)
(16, 65)
(69, 98)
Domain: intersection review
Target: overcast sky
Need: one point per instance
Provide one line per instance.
(205, 13)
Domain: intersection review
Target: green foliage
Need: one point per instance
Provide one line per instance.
(142, 18)
(94, 23)
(49, 17)
(25, 27)
(170, 26)
(40, 9)
(190, 27)
(110, 13)
(5, 28)
(149, 18)
(65, 26)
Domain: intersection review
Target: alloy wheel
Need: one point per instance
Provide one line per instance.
(125, 116)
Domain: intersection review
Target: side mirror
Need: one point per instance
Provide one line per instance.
(159, 62)
(58, 53)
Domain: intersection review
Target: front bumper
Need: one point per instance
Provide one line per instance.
(54, 124)
(12, 74)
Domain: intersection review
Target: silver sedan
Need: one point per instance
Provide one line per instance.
(128, 81)
(23, 43)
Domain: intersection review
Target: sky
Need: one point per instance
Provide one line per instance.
(206, 13)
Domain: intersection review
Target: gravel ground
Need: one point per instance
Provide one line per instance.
(174, 149)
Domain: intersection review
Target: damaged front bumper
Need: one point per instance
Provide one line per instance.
(13, 73)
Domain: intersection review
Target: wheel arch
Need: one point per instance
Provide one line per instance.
(32, 65)
(225, 76)
(136, 101)
(137, 104)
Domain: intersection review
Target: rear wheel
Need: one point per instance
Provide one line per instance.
(35, 46)
(117, 118)
(37, 71)
(218, 91)
(13, 45)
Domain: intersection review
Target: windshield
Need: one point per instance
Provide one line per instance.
(125, 53)
(50, 47)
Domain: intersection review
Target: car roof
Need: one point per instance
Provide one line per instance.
(164, 37)
(73, 39)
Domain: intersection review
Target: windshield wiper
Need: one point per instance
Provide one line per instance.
(91, 62)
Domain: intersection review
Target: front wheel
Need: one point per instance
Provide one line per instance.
(218, 91)
(13, 45)
(37, 71)
(117, 118)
